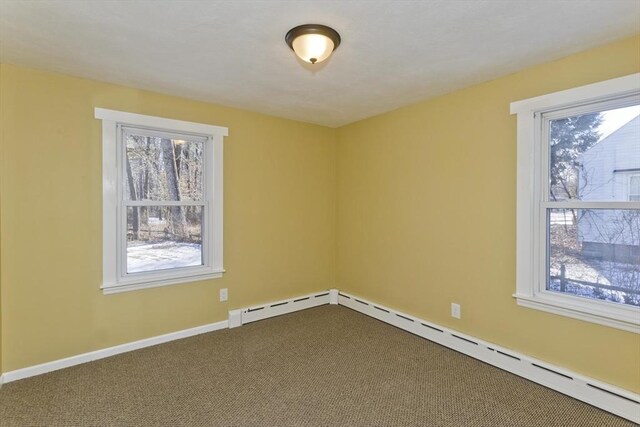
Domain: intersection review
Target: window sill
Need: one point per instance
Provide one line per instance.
(127, 287)
(613, 315)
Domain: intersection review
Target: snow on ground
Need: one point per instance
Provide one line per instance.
(566, 250)
(596, 272)
(561, 218)
(161, 256)
(587, 291)
(579, 270)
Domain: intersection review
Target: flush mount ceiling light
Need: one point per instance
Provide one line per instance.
(313, 43)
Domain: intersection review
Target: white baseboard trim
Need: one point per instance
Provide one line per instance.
(604, 396)
(260, 312)
(67, 362)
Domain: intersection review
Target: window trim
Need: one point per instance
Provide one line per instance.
(113, 281)
(530, 229)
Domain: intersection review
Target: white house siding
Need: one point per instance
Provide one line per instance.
(605, 174)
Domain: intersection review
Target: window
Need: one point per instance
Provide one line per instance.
(634, 188)
(578, 219)
(162, 201)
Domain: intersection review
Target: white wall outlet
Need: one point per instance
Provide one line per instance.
(455, 310)
(224, 294)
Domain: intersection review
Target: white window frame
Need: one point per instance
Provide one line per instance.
(532, 201)
(114, 276)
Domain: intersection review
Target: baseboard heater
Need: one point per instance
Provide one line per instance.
(260, 312)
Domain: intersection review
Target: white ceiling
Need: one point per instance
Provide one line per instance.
(233, 53)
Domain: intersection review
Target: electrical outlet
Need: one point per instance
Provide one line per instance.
(455, 310)
(224, 294)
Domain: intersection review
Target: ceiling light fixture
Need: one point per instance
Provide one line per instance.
(313, 43)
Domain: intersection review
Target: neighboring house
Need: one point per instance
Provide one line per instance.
(611, 172)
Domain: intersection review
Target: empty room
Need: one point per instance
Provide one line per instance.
(320, 213)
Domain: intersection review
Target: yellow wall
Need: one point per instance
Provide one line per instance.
(427, 216)
(279, 218)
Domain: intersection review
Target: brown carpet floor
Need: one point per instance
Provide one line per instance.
(327, 366)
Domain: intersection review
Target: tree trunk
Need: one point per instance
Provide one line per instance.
(177, 217)
(132, 191)
(144, 193)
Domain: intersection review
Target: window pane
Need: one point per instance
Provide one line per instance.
(595, 253)
(163, 237)
(634, 188)
(592, 155)
(163, 169)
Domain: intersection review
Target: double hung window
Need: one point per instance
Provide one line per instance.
(162, 201)
(578, 204)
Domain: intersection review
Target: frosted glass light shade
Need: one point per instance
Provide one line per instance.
(313, 43)
(313, 48)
